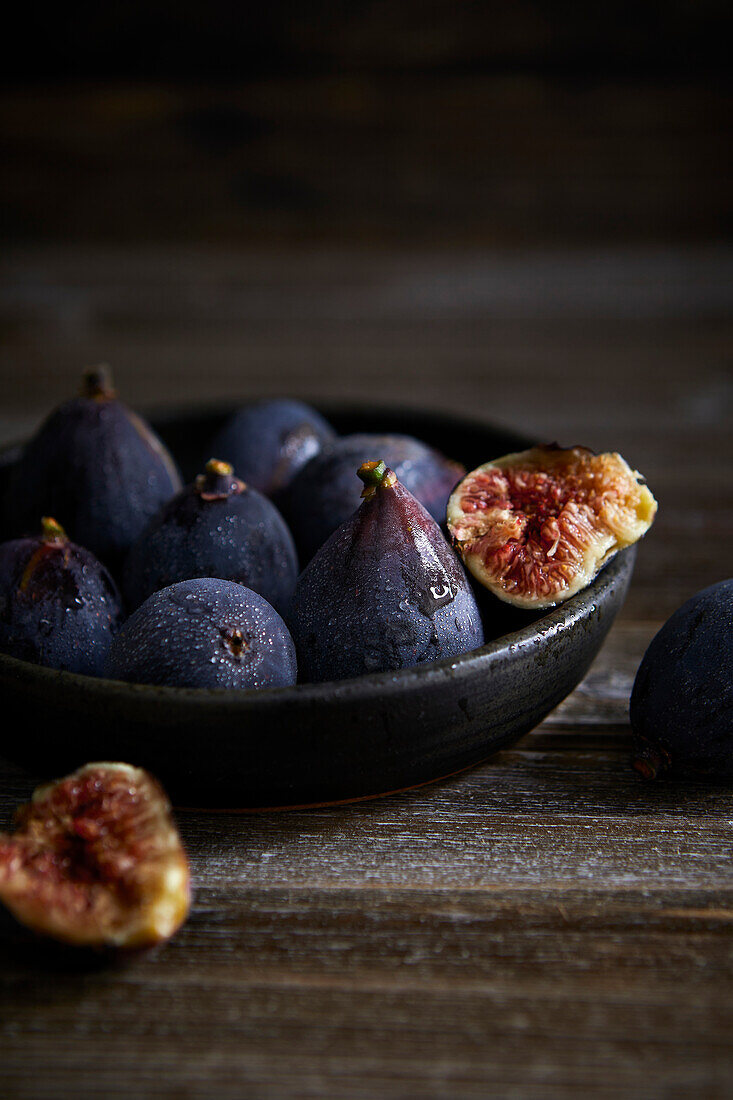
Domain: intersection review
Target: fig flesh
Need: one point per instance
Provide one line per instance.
(98, 468)
(536, 527)
(216, 527)
(324, 493)
(682, 700)
(96, 861)
(384, 592)
(267, 442)
(59, 606)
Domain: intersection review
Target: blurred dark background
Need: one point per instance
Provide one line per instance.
(502, 124)
(516, 211)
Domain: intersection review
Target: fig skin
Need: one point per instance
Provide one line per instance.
(536, 527)
(681, 706)
(204, 633)
(98, 468)
(59, 607)
(325, 492)
(216, 527)
(384, 592)
(96, 861)
(267, 442)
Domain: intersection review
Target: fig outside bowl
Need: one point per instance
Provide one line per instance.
(329, 742)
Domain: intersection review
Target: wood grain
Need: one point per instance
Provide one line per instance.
(545, 926)
(471, 154)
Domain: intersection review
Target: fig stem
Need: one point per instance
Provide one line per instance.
(218, 481)
(97, 382)
(375, 475)
(218, 468)
(51, 530)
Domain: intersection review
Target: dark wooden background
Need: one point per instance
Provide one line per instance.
(541, 121)
(518, 212)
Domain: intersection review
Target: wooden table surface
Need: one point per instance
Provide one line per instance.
(543, 926)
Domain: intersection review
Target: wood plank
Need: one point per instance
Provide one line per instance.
(533, 924)
(388, 156)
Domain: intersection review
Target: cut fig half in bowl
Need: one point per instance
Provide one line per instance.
(535, 527)
(328, 742)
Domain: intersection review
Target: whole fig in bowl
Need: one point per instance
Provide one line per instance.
(324, 493)
(267, 442)
(216, 527)
(385, 591)
(59, 606)
(97, 467)
(204, 633)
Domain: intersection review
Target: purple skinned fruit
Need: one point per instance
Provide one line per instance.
(215, 527)
(384, 592)
(267, 442)
(325, 492)
(204, 633)
(59, 606)
(682, 700)
(98, 467)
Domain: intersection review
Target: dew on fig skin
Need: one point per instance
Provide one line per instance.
(60, 607)
(390, 575)
(217, 527)
(322, 496)
(147, 651)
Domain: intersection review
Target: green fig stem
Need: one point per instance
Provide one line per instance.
(648, 761)
(217, 468)
(51, 530)
(375, 475)
(96, 383)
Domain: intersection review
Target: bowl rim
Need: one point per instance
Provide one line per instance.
(558, 620)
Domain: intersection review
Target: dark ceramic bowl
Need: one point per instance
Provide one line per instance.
(329, 742)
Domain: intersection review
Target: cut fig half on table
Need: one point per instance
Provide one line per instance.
(535, 527)
(96, 861)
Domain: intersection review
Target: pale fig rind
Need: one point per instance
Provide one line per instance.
(96, 861)
(536, 527)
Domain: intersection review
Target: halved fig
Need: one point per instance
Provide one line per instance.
(535, 527)
(96, 861)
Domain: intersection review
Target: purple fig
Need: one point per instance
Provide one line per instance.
(215, 527)
(96, 466)
(267, 442)
(384, 592)
(58, 605)
(324, 493)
